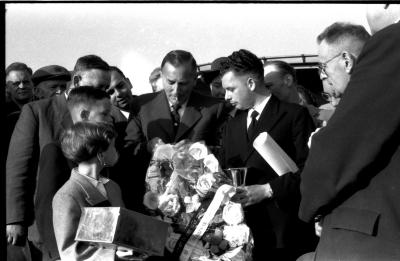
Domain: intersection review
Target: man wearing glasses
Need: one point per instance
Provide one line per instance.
(351, 177)
(338, 48)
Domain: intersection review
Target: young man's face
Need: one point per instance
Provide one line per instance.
(120, 91)
(238, 93)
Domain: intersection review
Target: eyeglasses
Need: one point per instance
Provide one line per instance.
(322, 66)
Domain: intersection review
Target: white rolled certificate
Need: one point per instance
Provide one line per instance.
(273, 154)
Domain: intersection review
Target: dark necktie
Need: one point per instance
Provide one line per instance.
(175, 115)
(252, 127)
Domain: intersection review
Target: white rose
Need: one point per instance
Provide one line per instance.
(233, 213)
(211, 163)
(198, 150)
(204, 184)
(237, 235)
(150, 200)
(169, 204)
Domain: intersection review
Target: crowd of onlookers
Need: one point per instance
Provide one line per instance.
(81, 138)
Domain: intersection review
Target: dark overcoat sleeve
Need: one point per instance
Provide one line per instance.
(20, 172)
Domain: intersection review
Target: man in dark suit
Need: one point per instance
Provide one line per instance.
(351, 178)
(84, 104)
(40, 123)
(271, 202)
(174, 114)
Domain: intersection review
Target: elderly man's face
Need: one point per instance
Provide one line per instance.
(334, 75)
(20, 86)
(96, 78)
(49, 88)
(273, 79)
(178, 82)
(120, 91)
(238, 93)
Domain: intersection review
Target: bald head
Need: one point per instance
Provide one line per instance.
(381, 15)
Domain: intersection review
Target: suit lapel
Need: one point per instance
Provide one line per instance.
(160, 114)
(269, 117)
(190, 117)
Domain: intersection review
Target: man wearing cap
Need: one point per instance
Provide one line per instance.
(50, 80)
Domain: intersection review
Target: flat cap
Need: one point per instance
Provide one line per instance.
(51, 72)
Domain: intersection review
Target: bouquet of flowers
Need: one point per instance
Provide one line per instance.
(186, 187)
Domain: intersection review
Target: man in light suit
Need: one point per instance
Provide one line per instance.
(40, 123)
(173, 114)
(351, 178)
(270, 202)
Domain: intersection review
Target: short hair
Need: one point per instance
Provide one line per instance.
(86, 95)
(89, 62)
(179, 57)
(84, 140)
(155, 75)
(283, 67)
(242, 62)
(339, 32)
(18, 66)
(116, 69)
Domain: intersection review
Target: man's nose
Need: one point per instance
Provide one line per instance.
(227, 96)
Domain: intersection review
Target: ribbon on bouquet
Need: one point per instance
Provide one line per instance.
(223, 194)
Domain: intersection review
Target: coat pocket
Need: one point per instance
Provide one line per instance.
(360, 220)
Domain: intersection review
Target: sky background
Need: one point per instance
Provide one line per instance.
(135, 37)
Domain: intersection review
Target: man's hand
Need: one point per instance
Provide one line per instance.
(16, 234)
(153, 143)
(180, 144)
(253, 194)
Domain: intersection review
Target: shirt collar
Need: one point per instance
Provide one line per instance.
(93, 181)
(259, 108)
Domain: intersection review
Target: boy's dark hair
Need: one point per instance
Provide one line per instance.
(85, 94)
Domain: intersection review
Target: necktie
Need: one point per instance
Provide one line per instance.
(252, 127)
(175, 115)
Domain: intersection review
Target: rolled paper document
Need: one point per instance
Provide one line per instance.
(273, 154)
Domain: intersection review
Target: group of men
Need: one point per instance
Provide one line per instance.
(347, 186)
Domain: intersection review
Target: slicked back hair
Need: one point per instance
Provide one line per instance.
(84, 140)
(116, 69)
(89, 62)
(18, 66)
(283, 67)
(86, 95)
(339, 32)
(180, 57)
(242, 62)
